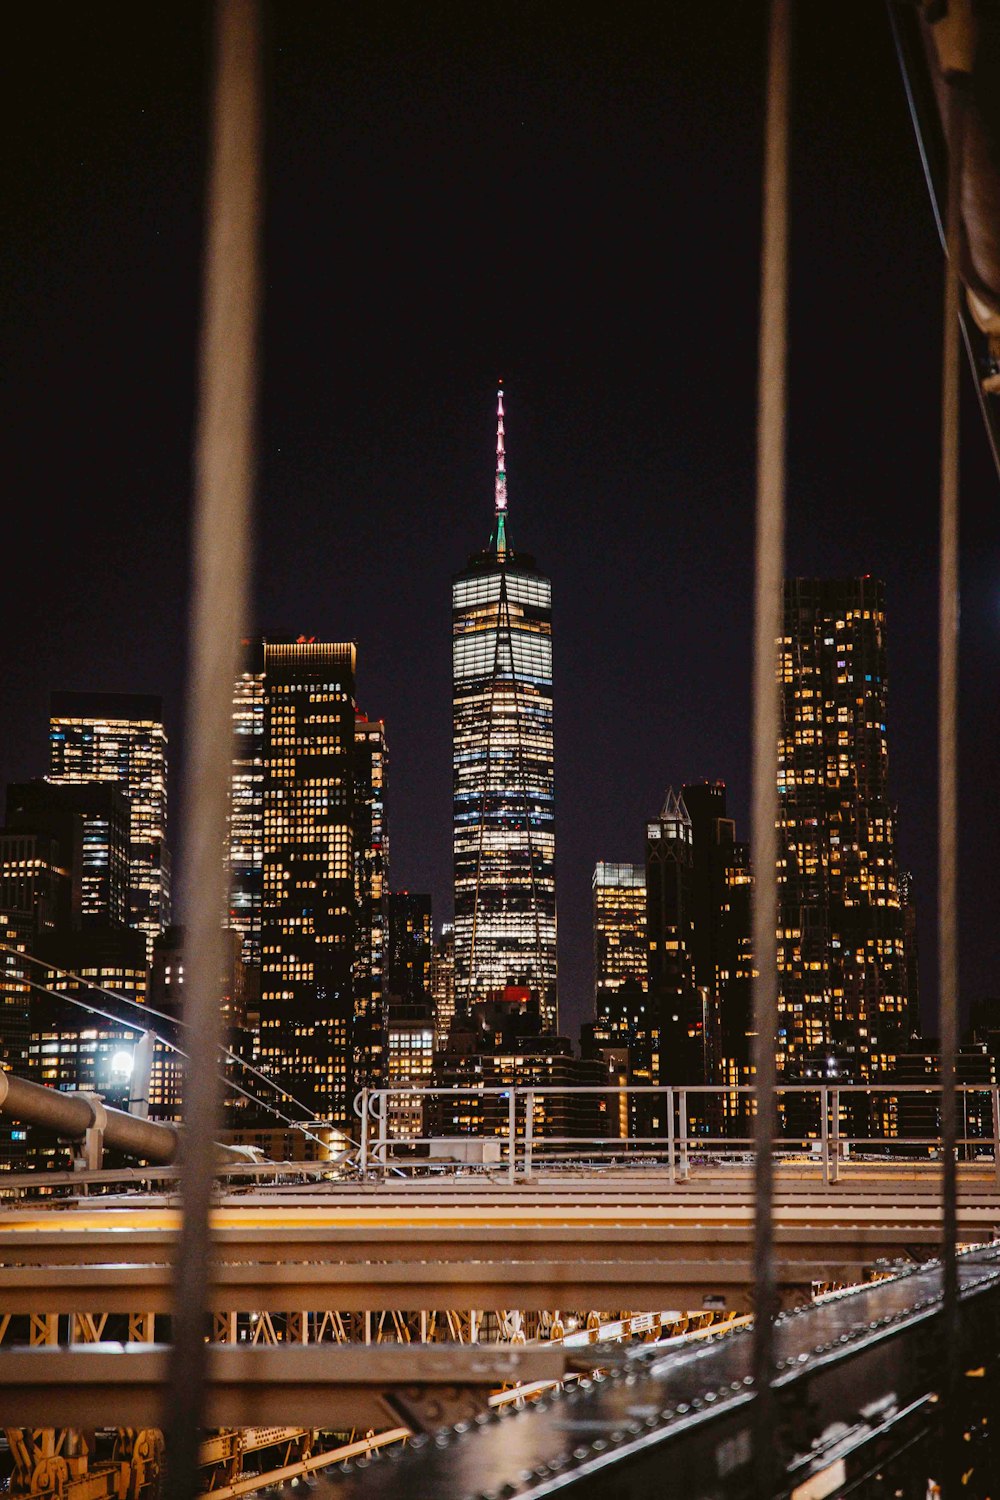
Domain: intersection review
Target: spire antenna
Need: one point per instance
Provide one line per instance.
(500, 483)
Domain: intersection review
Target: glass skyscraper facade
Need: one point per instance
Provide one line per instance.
(120, 737)
(504, 821)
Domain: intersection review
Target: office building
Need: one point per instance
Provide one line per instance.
(63, 891)
(442, 969)
(501, 1042)
(908, 905)
(15, 1031)
(722, 936)
(411, 940)
(244, 851)
(504, 822)
(120, 737)
(845, 1010)
(371, 900)
(620, 946)
(410, 1057)
(307, 926)
(684, 1015)
(90, 823)
(624, 1036)
(36, 884)
(72, 1047)
(166, 995)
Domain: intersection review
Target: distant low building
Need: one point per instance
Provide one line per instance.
(499, 1043)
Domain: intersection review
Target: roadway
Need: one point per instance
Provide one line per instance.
(604, 1240)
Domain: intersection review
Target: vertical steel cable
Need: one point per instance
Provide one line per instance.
(221, 548)
(948, 788)
(767, 713)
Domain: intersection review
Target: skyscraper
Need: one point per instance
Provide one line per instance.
(306, 1006)
(244, 855)
(620, 947)
(623, 1033)
(371, 899)
(120, 737)
(90, 821)
(442, 981)
(411, 941)
(721, 940)
(677, 1006)
(844, 1006)
(504, 822)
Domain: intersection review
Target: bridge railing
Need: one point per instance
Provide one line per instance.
(526, 1127)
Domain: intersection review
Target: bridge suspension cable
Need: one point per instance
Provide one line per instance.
(150, 1010)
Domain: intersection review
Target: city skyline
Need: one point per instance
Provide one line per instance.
(636, 471)
(307, 1118)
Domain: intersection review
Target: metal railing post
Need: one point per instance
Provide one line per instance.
(824, 1131)
(382, 1143)
(682, 1125)
(529, 1129)
(670, 1136)
(512, 1133)
(363, 1159)
(835, 1126)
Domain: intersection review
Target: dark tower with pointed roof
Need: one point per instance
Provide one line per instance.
(504, 822)
(677, 1006)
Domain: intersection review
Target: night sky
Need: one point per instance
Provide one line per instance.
(565, 200)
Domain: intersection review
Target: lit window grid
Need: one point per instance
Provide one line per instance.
(244, 849)
(619, 915)
(838, 864)
(308, 876)
(503, 784)
(132, 753)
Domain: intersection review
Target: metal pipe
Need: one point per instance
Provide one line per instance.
(770, 547)
(74, 1114)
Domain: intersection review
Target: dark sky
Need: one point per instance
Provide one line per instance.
(566, 200)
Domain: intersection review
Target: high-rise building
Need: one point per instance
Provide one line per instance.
(620, 946)
(722, 935)
(622, 1032)
(504, 822)
(166, 994)
(908, 905)
(844, 1006)
(63, 894)
(306, 1005)
(90, 822)
(120, 737)
(371, 899)
(625, 1036)
(676, 1003)
(411, 940)
(80, 965)
(244, 852)
(73, 1048)
(36, 884)
(443, 983)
